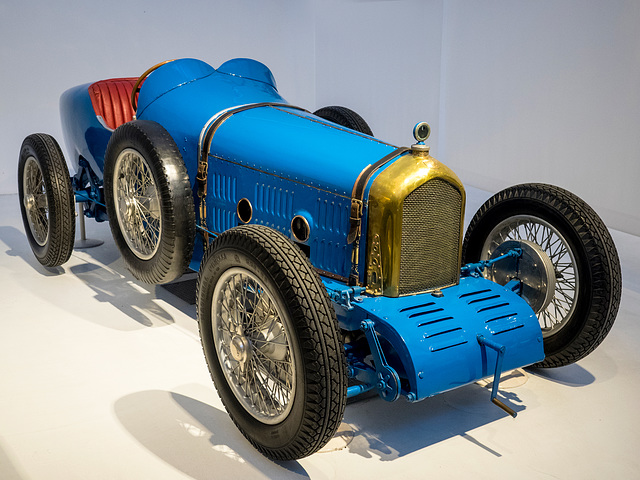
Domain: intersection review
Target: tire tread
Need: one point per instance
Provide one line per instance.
(174, 189)
(601, 254)
(60, 198)
(324, 362)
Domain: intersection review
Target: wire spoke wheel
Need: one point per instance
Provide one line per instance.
(35, 201)
(137, 204)
(536, 230)
(149, 201)
(46, 199)
(252, 342)
(583, 258)
(271, 341)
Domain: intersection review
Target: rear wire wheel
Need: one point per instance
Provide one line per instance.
(588, 281)
(271, 341)
(149, 201)
(46, 199)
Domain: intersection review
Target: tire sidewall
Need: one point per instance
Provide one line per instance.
(345, 117)
(267, 436)
(151, 141)
(57, 249)
(504, 209)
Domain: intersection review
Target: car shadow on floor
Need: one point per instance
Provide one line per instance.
(198, 439)
(18, 245)
(572, 375)
(100, 269)
(136, 301)
(380, 428)
(195, 438)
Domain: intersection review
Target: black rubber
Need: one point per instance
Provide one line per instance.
(345, 118)
(60, 199)
(321, 381)
(177, 235)
(595, 256)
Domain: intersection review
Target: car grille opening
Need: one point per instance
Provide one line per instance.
(429, 255)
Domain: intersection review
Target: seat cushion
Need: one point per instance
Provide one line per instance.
(111, 100)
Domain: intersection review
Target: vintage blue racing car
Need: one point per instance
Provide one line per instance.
(330, 263)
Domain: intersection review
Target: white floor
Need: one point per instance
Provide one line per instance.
(103, 378)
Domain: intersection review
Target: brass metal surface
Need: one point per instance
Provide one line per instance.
(385, 211)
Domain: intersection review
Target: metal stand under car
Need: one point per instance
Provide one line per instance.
(83, 242)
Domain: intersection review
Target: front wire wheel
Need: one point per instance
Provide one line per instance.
(251, 335)
(567, 281)
(588, 281)
(271, 341)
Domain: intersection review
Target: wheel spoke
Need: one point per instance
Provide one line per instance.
(251, 337)
(35, 201)
(137, 204)
(536, 230)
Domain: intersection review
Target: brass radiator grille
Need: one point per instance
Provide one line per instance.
(430, 251)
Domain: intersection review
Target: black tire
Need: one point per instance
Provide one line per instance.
(152, 216)
(308, 409)
(345, 118)
(46, 199)
(588, 278)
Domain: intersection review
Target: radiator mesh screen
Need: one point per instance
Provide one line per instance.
(429, 255)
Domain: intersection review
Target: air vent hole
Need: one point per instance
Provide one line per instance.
(300, 228)
(245, 210)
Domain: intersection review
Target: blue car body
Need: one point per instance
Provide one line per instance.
(289, 163)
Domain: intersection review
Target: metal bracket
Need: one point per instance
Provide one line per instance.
(500, 349)
(387, 380)
(476, 269)
(345, 296)
(88, 190)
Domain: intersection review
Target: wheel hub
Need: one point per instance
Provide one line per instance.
(240, 348)
(251, 336)
(129, 208)
(35, 201)
(533, 268)
(29, 201)
(271, 341)
(562, 272)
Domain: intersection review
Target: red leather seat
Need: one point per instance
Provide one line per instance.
(111, 100)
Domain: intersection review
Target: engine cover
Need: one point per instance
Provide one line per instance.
(432, 339)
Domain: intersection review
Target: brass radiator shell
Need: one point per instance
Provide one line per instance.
(415, 227)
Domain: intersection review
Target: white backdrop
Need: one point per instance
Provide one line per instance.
(515, 91)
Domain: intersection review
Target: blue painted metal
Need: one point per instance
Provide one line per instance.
(285, 162)
(500, 350)
(344, 295)
(281, 142)
(387, 379)
(85, 137)
(355, 390)
(431, 341)
(248, 68)
(476, 269)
